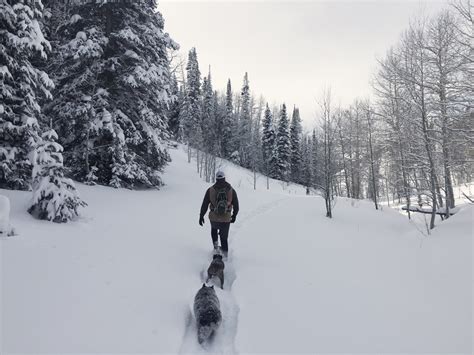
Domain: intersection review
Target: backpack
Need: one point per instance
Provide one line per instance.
(222, 202)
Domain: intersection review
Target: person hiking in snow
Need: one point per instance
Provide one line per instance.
(223, 203)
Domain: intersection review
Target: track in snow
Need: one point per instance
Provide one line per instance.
(223, 341)
(256, 212)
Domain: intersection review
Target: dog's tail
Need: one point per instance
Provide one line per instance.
(204, 333)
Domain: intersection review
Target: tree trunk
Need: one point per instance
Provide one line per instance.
(432, 171)
(254, 179)
(346, 176)
(372, 167)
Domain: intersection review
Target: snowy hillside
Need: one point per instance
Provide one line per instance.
(123, 277)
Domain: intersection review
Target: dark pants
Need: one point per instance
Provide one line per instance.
(220, 229)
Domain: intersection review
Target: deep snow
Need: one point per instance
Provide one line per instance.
(122, 278)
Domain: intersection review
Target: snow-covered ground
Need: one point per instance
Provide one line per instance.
(122, 279)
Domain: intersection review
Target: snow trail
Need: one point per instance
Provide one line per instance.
(223, 341)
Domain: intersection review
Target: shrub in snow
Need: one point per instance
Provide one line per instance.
(235, 157)
(91, 177)
(55, 197)
(5, 227)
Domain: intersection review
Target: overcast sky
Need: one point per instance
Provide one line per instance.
(292, 49)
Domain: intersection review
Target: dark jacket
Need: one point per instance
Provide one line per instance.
(207, 201)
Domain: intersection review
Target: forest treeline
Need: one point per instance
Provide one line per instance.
(411, 143)
(90, 92)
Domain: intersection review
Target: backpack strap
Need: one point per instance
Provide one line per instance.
(212, 198)
(229, 196)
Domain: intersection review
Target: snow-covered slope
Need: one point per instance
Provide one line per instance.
(123, 277)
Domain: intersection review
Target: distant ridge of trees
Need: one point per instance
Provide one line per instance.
(412, 142)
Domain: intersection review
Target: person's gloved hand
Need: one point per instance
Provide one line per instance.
(201, 220)
(232, 220)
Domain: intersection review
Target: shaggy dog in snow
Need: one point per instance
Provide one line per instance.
(207, 312)
(216, 269)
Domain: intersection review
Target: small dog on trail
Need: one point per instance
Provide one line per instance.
(207, 312)
(216, 269)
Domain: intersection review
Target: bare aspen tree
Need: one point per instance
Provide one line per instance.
(373, 179)
(414, 75)
(392, 103)
(328, 133)
(445, 55)
(344, 136)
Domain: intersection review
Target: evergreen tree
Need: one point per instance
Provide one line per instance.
(180, 103)
(295, 141)
(245, 131)
(55, 197)
(268, 143)
(256, 154)
(114, 86)
(316, 171)
(175, 108)
(228, 125)
(22, 84)
(209, 124)
(307, 161)
(191, 113)
(220, 121)
(283, 146)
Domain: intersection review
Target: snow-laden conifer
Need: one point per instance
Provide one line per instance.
(283, 146)
(245, 125)
(113, 89)
(268, 143)
(228, 124)
(22, 84)
(55, 197)
(295, 141)
(191, 116)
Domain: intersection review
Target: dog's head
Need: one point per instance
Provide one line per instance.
(217, 256)
(204, 286)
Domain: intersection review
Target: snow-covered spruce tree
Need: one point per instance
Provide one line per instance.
(190, 115)
(295, 141)
(256, 156)
(55, 197)
(113, 88)
(245, 127)
(22, 84)
(228, 132)
(208, 124)
(268, 144)
(235, 128)
(316, 159)
(307, 161)
(283, 146)
(175, 108)
(209, 128)
(220, 121)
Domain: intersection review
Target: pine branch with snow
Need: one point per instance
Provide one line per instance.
(55, 197)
